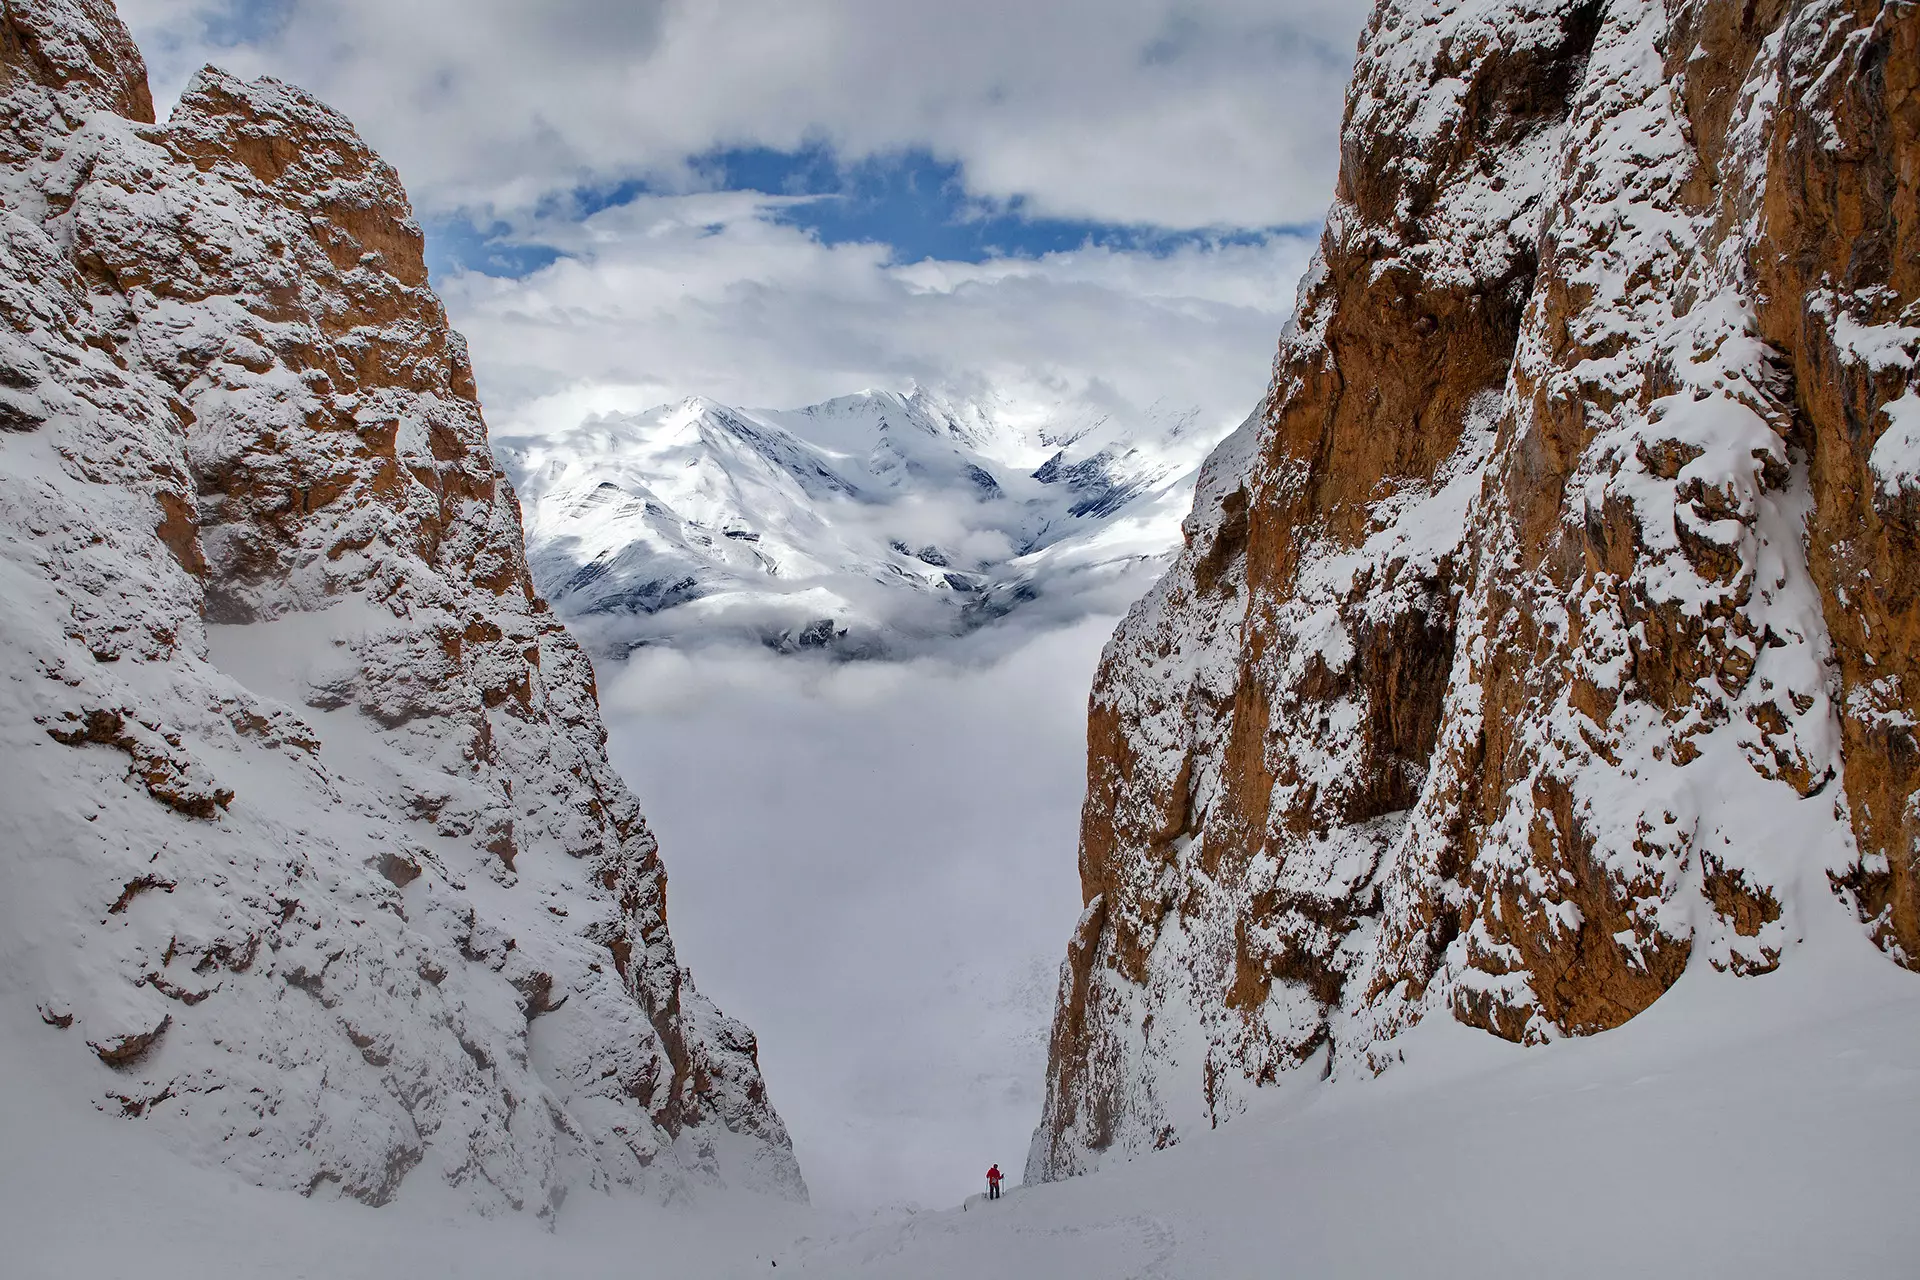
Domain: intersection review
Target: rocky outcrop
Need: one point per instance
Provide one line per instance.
(1550, 629)
(313, 836)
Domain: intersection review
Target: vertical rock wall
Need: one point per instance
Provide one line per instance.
(317, 860)
(1548, 627)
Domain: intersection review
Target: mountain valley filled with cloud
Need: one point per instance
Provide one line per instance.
(869, 526)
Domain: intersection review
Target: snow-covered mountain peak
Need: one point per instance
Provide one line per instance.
(870, 524)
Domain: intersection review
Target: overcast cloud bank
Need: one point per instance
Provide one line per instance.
(668, 297)
(608, 274)
(1191, 114)
(872, 865)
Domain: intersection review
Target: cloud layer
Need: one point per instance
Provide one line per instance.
(711, 295)
(1175, 113)
(521, 118)
(872, 865)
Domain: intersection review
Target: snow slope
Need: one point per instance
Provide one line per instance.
(877, 523)
(1735, 1129)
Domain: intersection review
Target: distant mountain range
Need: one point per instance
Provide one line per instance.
(873, 525)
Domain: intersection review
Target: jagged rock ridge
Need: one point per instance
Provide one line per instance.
(316, 861)
(1551, 631)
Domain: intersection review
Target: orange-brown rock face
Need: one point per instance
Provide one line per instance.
(315, 841)
(1548, 629)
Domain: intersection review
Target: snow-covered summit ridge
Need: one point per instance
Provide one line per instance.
(316, 866)
(872, 524)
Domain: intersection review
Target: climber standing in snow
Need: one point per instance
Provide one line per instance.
(993, 1182)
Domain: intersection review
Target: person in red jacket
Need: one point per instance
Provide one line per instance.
(993, 1182)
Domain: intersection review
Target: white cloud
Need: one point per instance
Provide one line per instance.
(1209, 112)
(872, 865)
(710, 295)
(1170, 112)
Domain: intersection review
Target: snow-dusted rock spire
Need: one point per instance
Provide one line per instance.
(1553, 629)
(313, 855)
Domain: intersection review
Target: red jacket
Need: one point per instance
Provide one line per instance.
(994, 1174)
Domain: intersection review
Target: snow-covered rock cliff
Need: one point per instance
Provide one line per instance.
(876, 524)
(1551, 634)
(313, 859)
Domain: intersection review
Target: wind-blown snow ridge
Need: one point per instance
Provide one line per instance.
(870, 525)
(315, 862)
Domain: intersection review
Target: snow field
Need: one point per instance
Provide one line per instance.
(1740, 1127)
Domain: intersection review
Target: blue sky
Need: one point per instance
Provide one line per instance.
(241, 22)
(1116, 114)
(913, 202)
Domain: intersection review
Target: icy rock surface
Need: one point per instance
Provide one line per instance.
(313, 854)
(877, 524)
(1552, 630)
